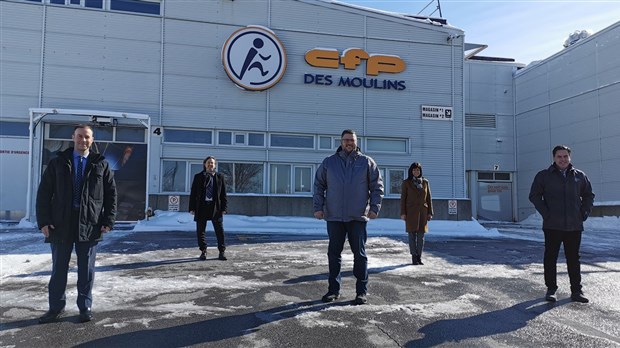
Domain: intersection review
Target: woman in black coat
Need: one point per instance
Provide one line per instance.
(207, 201)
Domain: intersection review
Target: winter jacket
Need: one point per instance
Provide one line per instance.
(55, 198)
(197, 195)
(563, 202)
(416, 204)
(347, 187)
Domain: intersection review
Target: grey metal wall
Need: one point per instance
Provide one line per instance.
(170, 67)
(572, 98)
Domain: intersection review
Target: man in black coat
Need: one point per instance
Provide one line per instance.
(76, 205)
(207, 202)
(562, 194)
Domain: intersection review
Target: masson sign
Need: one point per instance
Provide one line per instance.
(350, 59)
(254, 58)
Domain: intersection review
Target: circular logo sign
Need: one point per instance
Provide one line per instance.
(254, 58)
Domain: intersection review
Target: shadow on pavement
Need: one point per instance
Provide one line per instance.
(211, 330)
(481, 325)
(117, 267)
(325, 276)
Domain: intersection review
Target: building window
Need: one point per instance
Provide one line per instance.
(242, 177)
(133, 135)
(102, 133)
(224, 138)
(19, 129)
(239, 139)
(393, 179)
(386, 145)
(174, 176)
(325, 143)
(187, 136)
(256, 139)
(303, 179)
(280, 178)
(293, 141)
(139, 6)
(495, 176)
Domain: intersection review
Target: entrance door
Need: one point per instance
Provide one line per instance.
(495, 201)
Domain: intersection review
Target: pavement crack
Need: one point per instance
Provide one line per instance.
(388, 335)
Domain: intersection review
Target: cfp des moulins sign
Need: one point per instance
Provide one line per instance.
(255, 59)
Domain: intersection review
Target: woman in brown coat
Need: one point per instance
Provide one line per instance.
(416, 208)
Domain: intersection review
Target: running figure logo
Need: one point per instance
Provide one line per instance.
(254, 58)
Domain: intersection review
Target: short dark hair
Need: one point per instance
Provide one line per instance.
(208, 158)
(348, 131)
(84, 126)
(560, 147)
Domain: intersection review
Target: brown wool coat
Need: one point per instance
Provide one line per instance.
(416, 205)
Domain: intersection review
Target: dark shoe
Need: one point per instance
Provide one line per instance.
(550, 296)
(420, 261)
(203, 255)
(86, 315)
(222, 256)
(414, 260)
(50, 316)
(330, 297)
(360, 299)
(578, 297)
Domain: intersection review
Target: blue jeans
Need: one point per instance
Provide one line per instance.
(355, 231)
(61, 255)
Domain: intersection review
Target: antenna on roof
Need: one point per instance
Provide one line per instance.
(438, 8)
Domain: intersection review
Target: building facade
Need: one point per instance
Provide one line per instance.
(264, 86)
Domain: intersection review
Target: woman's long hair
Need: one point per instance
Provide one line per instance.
(411, 168)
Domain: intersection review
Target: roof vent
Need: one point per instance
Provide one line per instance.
(576, 36)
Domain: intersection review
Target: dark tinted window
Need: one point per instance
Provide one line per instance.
(135, 6)
(94, 3)
(187, 136)
(130, 134)
(485, 176)
(14, 128)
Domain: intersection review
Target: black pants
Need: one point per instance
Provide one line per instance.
(218, 225)
(572, 241)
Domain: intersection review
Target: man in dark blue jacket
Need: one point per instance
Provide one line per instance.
(562, 194)
(348, 190)
(76, 204)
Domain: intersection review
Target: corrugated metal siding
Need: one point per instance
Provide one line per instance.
(101, 59)
(238, 12)
(316, 18)
(584, 85)
(571, 74)
(20, 58)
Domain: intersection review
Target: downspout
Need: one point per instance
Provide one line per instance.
(451, 38)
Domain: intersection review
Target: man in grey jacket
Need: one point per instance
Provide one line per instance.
(562, 194)
(348, 190)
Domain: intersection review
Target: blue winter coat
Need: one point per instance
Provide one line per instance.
(347, 187)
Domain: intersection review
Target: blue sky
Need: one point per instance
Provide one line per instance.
(519, 29)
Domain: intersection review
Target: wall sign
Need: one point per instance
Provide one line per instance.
(430, 112)
(254, 58)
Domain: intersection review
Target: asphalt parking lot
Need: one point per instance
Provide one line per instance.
(151, 291)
